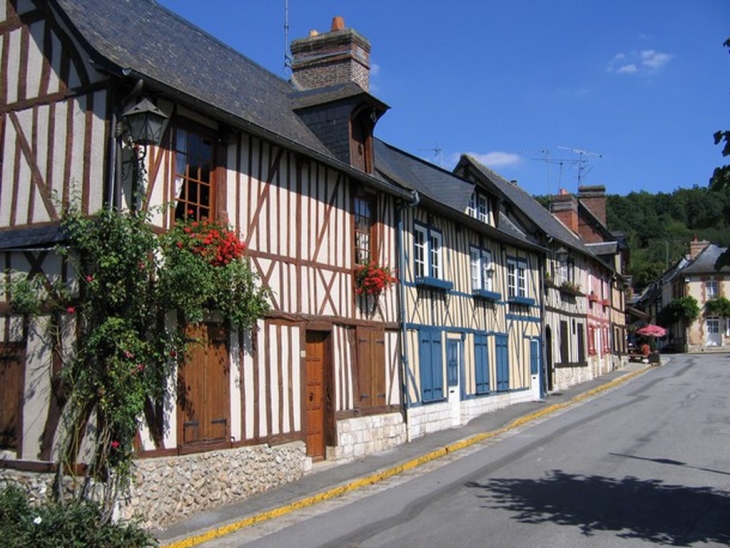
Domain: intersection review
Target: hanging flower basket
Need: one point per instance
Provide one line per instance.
(373, 279)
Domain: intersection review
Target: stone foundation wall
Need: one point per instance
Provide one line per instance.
(565, 377)
(475, 407)
(427, 419)
(171, 488)
(361, 436)
(168, 489)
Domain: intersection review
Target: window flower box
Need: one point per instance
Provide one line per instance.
(570, 288)
(433, 283)
(487, 295)
(606, 302)
(593, 297)
(372, 279)
(524, 301)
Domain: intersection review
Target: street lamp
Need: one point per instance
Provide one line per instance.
(144, 122)
(561, 255)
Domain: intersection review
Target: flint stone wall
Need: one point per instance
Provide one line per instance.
(168, 489)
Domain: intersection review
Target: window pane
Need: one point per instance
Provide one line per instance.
(419, 253)
(193, 175)
(487, 270)
(364, 222)
(475, 280)
(435, 255)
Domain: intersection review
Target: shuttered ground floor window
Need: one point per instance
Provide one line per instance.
(204, 387)
(430, 362)
(481, 363)
(12, 364)
(370, 367)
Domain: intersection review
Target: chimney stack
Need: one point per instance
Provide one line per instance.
(594, 198)
(565, 207)
(336, 57)
(696, 247)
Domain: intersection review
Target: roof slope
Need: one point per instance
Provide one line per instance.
(143, 37)
(705, 262)
(445, 191)
(531, 208)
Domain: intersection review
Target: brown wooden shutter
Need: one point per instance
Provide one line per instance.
(371, 367)
(12, 363)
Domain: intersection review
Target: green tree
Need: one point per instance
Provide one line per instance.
(721, 176)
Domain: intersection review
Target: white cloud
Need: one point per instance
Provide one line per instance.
(654, 60)
(496, 158)
(647, 61)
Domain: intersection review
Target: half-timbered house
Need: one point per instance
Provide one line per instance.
(288, 164)
(471, 299)
(576, 348)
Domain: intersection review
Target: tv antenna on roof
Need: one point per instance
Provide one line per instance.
(581, 160)
(550, 161)
(437, 152)
(287, 57)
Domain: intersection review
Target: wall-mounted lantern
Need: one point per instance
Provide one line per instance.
(144, 122)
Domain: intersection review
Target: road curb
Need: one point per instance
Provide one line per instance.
(386, 473)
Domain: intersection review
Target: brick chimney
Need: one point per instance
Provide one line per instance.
(696, 247)
(594, 198)
(336, 57)
(565, 207)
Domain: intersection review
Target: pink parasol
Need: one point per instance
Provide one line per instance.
(652, 330)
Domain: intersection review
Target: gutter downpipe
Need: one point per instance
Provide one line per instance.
(415, 200)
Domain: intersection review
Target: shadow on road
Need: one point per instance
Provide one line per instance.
(643, 509)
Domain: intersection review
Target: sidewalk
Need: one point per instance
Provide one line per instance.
(329, 481)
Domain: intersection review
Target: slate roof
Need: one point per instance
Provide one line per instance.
(141, 39)
(531, 208)
(705, 261)
(442, 189)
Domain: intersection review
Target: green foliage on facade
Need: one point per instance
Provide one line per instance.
(681, 309)
(130, 282)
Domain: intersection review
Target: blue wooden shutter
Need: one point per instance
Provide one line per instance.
(481, 364)
(424, 357)
(534, 356)
(437, 365)
(430, 357)
(502, 363)
(452, 362)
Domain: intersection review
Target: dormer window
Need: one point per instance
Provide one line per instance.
(479, 207)
(361, 139)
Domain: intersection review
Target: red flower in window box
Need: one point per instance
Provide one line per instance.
(606, 302)
(214, 241)
(373, 279)
(593, 297)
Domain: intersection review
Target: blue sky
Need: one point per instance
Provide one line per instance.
(639, 86)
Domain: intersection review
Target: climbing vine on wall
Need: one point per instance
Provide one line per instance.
(129, 282)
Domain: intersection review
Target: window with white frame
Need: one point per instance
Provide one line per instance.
(483, 209)
(427, 253)
(711, 289)
(516, 278)
(471, 209)
(420, 248)
(482, 270)
(435, 239)
(479, 207)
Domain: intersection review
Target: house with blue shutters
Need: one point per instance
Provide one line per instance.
(471, 298)
(582, 281)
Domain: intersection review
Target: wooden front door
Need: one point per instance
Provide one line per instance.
(315, 402)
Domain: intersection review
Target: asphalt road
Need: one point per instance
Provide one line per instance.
(646, 463)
